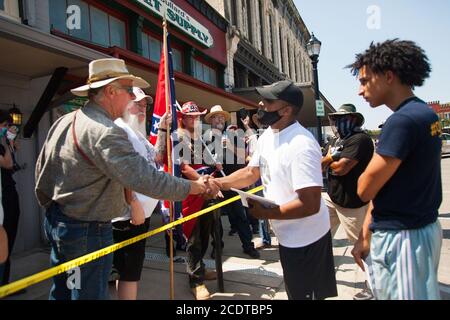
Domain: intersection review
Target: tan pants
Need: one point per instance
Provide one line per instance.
(351, 219)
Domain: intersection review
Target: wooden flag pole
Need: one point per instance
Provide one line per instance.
(169, 152)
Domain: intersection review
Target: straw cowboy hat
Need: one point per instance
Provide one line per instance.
(217, 110)
(190, 108)
(105, 71)
(348, 109)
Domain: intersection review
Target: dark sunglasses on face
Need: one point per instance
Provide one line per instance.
(128, 89)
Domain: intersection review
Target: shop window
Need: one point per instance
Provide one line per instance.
(96, 25)
(177, 60)
(155, 49)
(84, 31)
(151, 49)
(205, 73)
(10, 9)
(117, 32)
(100, 33)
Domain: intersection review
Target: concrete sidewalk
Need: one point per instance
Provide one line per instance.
(244, 278)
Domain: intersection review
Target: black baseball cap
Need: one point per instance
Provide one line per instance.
(282, 90)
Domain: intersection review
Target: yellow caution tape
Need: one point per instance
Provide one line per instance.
(66, 266)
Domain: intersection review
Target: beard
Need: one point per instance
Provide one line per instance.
(219, 126)
(133, 121)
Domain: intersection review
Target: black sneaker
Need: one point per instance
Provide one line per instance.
(232, 232)
(364, 294)
(252, 253)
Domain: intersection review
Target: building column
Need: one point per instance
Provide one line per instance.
(227, 12)
(297, 63)
(264, 29)
(244, 74)
(291, 47)
(276, 38)
(283, 42)
(232, 46)
(252, 25)
(239, 22)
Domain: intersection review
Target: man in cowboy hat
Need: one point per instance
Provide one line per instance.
(190, 151)
(81, 173)
(347, 156)
(236, 212)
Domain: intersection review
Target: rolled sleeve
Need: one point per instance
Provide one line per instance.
(115, 156)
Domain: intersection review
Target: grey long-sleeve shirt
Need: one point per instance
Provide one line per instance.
(96, 192)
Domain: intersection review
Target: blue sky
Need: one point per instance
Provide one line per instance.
(342, 26)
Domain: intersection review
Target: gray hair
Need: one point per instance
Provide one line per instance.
(95, 94)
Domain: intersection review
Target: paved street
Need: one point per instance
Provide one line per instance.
(244, 278)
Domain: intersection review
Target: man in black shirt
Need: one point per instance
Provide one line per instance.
(346, 158)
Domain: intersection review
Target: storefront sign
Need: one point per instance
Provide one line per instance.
(179, 18)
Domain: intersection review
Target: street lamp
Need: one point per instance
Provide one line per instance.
(313, 48)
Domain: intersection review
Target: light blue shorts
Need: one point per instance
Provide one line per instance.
(405, 263)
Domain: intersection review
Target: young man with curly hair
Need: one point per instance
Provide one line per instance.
(403, 179)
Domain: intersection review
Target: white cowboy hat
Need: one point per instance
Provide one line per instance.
(217, 110)
(105, 71)
(140, 94)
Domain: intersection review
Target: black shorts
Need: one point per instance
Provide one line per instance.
(309, 271)
(129, 260)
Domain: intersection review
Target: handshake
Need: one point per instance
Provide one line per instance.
(207, 187)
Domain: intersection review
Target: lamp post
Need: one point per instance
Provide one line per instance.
(313, 48)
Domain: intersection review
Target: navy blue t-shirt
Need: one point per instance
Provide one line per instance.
(410, 199)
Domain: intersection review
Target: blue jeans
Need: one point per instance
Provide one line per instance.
(238, 219)
(264, 231)
(70, 239)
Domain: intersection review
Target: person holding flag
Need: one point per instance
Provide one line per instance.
(168, 149)
(197, 231)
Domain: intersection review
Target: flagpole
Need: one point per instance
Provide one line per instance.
(169, 151)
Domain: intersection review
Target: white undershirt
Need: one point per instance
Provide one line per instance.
(146, 150)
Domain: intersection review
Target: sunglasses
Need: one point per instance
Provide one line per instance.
(128, 89)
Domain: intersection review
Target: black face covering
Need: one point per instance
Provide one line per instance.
(268, 118)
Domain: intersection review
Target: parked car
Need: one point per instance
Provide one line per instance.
(445, 143)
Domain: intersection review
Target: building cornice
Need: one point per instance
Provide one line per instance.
(208, 11)
(250, 58)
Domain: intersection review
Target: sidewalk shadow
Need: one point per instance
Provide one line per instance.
(339, 243)
(341, 260)
(356, 285)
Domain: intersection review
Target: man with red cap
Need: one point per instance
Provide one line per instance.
(193, 165)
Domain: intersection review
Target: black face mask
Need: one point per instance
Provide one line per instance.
(268, 118)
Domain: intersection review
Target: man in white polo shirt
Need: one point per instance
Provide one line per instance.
(287, 159)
